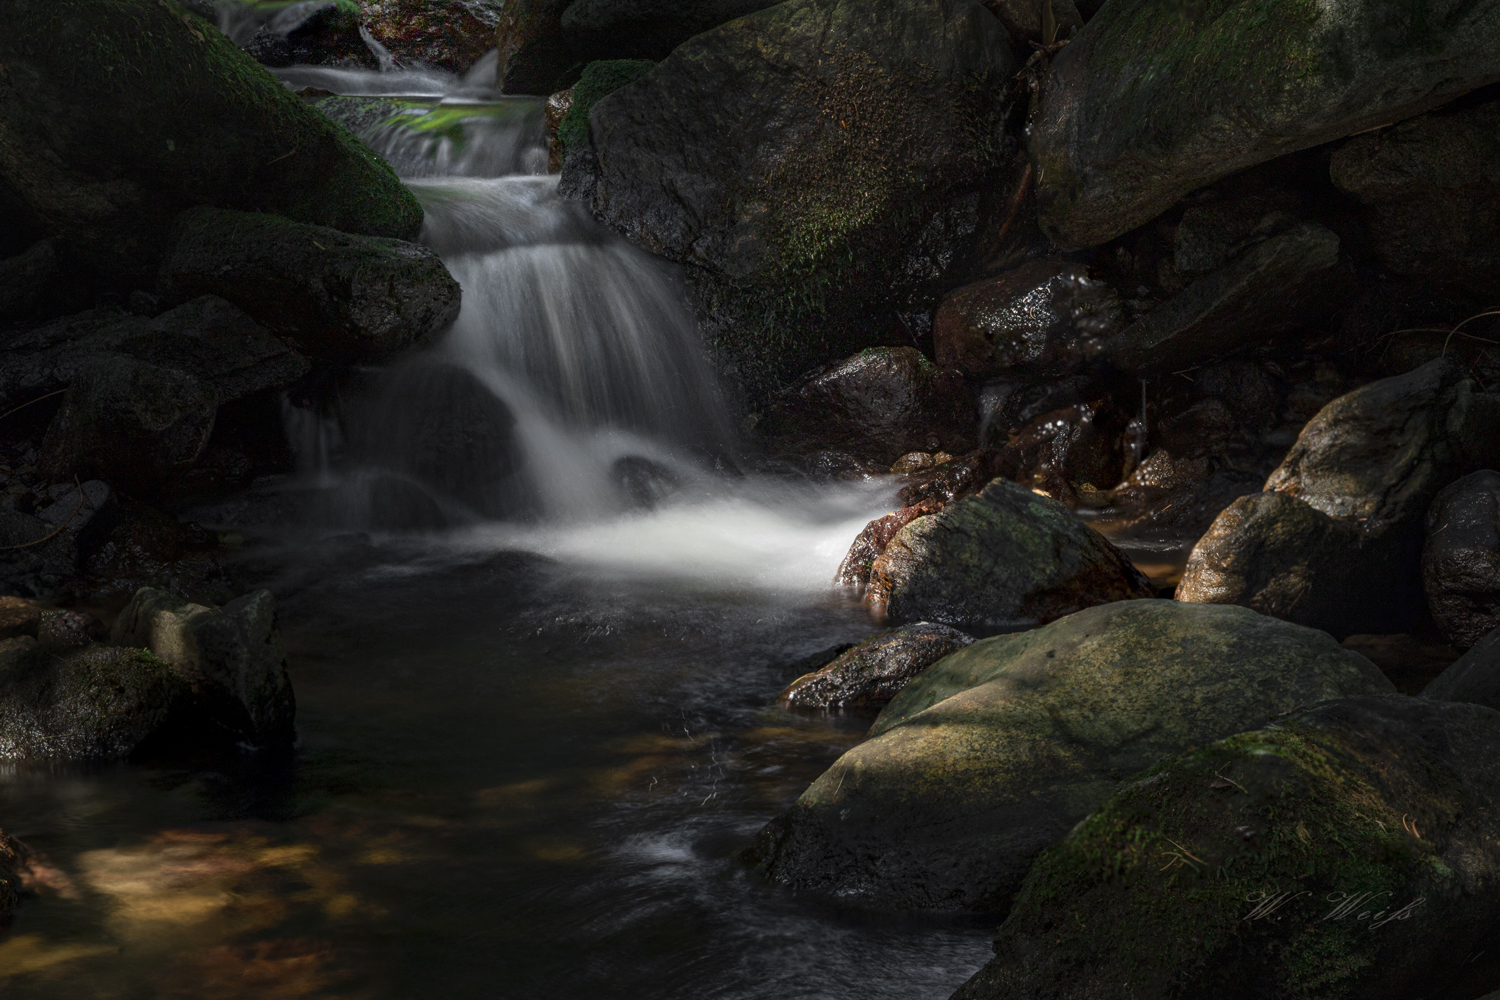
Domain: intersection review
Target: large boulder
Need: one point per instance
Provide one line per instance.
(105, 159)
(230, 658)
(1349, 850)
(866, 677)
(997, 750)
(877, 405)
(1338, 546)
(1473, 677)
(1040, 320)
(336, 296)
(95, 702)
(1271, 287)
(1152, 100)
(826, 168)
(1461, 560)
(1005, 556)
(1429, 187)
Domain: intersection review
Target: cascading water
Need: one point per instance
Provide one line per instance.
(569, 409)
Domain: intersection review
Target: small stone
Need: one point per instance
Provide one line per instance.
(865, 678)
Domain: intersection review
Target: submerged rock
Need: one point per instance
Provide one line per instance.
(336, 296)
(229, 658)
(761, 154)
(97, 702)
(996, 751)
(1045, 318)
(1153, 100)
(1335, 540)
(1002, 557)
(1429, 187)
(105, 162)
(1461, 560)
(1473, 677)
(878, 405)
(867, 677)
(1267, 289)
(1348, 850)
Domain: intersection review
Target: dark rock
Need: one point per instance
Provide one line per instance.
(1211, 234)
(1026, 21)
(558, 106)
(336, 296)
(109, 166)
(18, 617)
(1473, 677)
(84, 510)
(24, 278)
(1043, 319)
(230, 658)
(1067, 452)
(453, 35)
(130, 422)
(100, 701)
(958, 477)
(1335, 541)
(69, 629)
(1410, 661)
(877, 405)
(996, 751)
(644, 29)
(1151, 101)
(1003, 557)
(868, 676)
(644, 483)
(1461, 560)
(534, 57)
(35, 557)
(12, 859)
(1429, 187)
(1347, 850)
(1272, 287)
(598, 80)
(779, 193)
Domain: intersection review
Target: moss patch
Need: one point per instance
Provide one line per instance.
(598, 80)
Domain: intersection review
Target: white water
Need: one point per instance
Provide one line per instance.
(610, 447)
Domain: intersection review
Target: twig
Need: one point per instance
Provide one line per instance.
(1015, 204)
(60, 527)
(23, 406)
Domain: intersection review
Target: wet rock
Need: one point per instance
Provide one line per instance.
(109, 164)
(1074, 450)
(1428, 186)
(97, 702)
(996, 751)
(877, 405)
(534, 58)
(868, 676)
(336, 296)
(1043, 319)
(230, 659)
(558, 106)
(1473, 677)
(958, 477)
(1362, 828)
(777, 192)
(453, 36)
(24, 278)
(1150, 102)
(145, 547)
(72, 629)
(130, 422)
(11, 861)
(644, 483)
(871, 542)
(1272, 287)
(1002, 557)
(1335, 541)
(19, 617)
(1461, 560)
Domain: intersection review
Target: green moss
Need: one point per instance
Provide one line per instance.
(598, 80)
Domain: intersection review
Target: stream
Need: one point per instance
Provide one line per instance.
(537, 609)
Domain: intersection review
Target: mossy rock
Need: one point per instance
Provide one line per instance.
(115, 115)
(1349, 851)
(1154, 99)
(597, 80)
(98, 702)
(994, 752)
(824, 167)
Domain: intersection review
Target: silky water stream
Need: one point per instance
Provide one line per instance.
(536, 612)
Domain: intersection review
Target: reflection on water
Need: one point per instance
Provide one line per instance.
(515, 778)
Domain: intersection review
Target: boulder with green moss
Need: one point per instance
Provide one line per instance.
(1152, 100)
(97, 702)
(825, 168)
(1005, 556)
(335, 296)
(597, 80)
(115, 115)
(1351, 850)
(994, 752)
